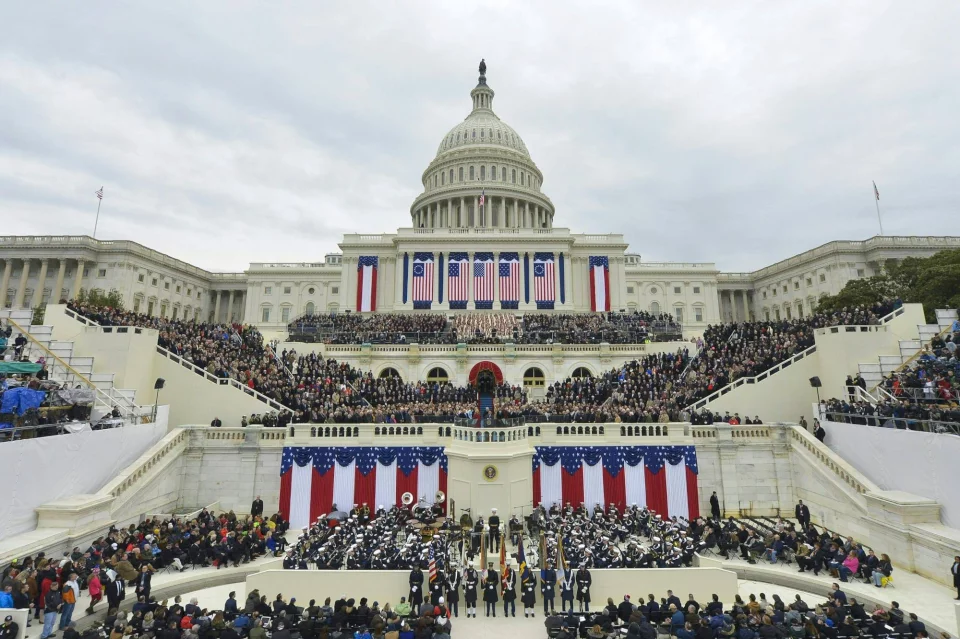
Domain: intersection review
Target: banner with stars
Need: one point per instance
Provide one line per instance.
(316, 481)
(660, 478)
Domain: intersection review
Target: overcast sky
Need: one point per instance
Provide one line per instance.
(224, 133)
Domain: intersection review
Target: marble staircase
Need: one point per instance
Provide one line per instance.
(874, 372)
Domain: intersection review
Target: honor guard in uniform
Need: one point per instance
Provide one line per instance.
(416, 586)
(566, 591)
(494, 534)
(471, 581)
(584, 580)
(490, 595)
(438, 588)
(453, 591)
(548, 581)
(529, 594)
(509, 583)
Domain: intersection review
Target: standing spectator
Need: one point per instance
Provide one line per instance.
(95, 589)
(715, 506)
(256, 508)
(216, 423)
(116, 592)
(70, 595)
(802, 513)
(142, 582)
(52, 604)
(955, 569)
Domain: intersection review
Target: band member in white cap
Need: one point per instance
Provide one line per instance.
(471, 579)
(494, 523)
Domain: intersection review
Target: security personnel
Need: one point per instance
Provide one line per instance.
(9, 629)
(471, 582)
(453, 592)
(548, 580)
(494, 523)
(566, 591)
(509, 583)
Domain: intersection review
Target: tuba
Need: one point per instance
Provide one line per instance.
(466, 521)
(406, 498)
(440, 497)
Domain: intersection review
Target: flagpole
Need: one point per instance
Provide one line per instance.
(97, 219)
(876, 200)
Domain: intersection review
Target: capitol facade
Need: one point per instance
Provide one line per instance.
(482, 237)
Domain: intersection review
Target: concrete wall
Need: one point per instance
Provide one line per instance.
(390, 585)
(232, 477)
(127, 355)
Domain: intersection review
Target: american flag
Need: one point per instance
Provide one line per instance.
(875, 192)
(543, 279)
(482, 197)
(422, 279)
(509, 277)
(458, 279)
(100, 194)
(483, 277)
(432, 570)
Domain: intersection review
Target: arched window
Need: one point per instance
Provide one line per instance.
(434, 181)
(437, 375)
(513, 176)
(310, 309)
(471, 173)
(493, 173)
(483, 172)
(443, 179)
(522, 176)
(388, 372)
(503, 174)
(533, 376)
(581, 372)
(451, 176)
(655, 308)
(461, 174)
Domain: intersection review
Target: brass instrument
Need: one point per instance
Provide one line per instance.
(406, 498)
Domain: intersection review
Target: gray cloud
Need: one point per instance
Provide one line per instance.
(226, 133)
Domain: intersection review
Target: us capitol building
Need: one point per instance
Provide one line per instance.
(432, 264)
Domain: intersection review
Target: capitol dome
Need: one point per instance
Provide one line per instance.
(484, 155)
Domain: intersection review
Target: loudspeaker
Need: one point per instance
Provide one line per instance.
(815, 382)
(157, 385)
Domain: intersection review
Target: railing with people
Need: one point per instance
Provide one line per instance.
(901, 423)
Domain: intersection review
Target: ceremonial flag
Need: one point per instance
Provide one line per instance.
(100, 193)
(503, 558)
(458, 280)
(544, 289)
(661, 478)
(509, 280)
(422, 280)
(482, 197)
(483, 280)
(561, 561)
(875, 191)
(599, 283)
(314, 479)
(522, 561)
(432, 570)
(367, 283)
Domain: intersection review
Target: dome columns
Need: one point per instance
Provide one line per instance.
(498, 212)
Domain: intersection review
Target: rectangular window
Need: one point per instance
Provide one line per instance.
(198, 294)
(265, 314)
(334, 290)
(823, 278)
(268, 290)
(764, 295)
(774, 291)
(676, 290)
(629, 290)
(809, 282)
(189, 292)
(696, 290)
(102, 272)
(153, 282)
(860, 272)
(784, 288)
(178, 288)
(136, 306)
(678, 313)
(796, 286)
(166, 286)
(140, 277)
(285, 314)
(286, 290)
(698, 314)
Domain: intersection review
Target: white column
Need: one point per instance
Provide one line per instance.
(242, 313)
(398, 280)
(568, 279)
(470, 279)
(461, 214)
(22, 287)
(41, 282)
(77, 279)
(5, 282)
(230, 307)
(58, 290)
(526, 214)
(216, 307)
(556, 279)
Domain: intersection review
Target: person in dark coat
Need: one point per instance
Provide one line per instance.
(490, 596)
(584, 580)
(509, 583)
(116, 592)
(256, 508)
(453, 592)
(625, 609)
(955, 571)
(471, 581)
(715, 506)
(566, 591)
(437, 588)
(416, 587)
(802, 513)
(529, 595)
(548, 582)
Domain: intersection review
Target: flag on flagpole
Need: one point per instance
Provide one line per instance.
(432, 570)
(875, 191)
(561, 561)
(503, 558)
(100, 194)
(482, 197)
(599, 283)
(522, 561)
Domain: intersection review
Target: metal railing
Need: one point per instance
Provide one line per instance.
(491, 422)
(901, 423)
(49, 430)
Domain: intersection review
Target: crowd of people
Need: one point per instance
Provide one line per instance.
(375, 328)
(636, 327)
(656, 388)
(485, 328)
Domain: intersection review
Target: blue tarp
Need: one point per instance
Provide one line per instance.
(19, 400)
